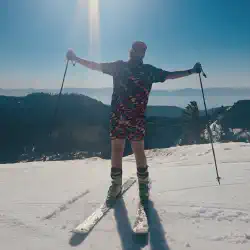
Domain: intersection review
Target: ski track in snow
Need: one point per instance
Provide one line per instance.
(65, 206)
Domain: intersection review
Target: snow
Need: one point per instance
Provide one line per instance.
(42, 201)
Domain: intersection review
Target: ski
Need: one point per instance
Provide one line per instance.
(94, 218)
(141, 221)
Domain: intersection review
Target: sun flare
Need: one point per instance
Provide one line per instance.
(94, 26)
(93, 12)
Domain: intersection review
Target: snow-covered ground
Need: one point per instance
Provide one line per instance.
(41, 202)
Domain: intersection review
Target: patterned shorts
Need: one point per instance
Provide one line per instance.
(133, 130)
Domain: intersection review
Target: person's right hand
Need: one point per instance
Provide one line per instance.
(71, 56)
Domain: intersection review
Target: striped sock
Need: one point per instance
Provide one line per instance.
(143, 174)
(116, 175)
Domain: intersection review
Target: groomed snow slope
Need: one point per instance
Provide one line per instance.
(42, 201)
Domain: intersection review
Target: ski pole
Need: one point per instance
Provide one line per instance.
(208, 127)
(59, 96)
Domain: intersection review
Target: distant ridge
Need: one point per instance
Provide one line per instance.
(108, 91)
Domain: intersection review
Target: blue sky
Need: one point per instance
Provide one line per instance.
(35, 35)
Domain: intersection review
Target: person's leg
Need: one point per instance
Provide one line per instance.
(117, 136)
(141, 160)
(142, 169)
(138, 150)
(117, 150)
(136, 136)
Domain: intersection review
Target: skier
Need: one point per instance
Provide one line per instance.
(132, 83)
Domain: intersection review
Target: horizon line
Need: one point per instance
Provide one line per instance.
(112, 88)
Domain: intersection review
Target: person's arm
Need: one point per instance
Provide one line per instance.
(71, 56)
(88, 64)
(107, 68)
(179, 74)
(160, 75)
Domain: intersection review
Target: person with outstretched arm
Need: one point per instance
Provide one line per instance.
(132, 83)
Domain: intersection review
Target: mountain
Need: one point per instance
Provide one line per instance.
(164, 111)
(236, 116)
(81, 125)
(41, 202)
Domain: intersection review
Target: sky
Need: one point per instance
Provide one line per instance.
(35, 36)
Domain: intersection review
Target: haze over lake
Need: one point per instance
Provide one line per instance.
(215, 97)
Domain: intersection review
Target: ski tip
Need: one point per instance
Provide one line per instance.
(140, 232)
(78, 232)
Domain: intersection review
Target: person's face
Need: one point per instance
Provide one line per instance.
(136, 54)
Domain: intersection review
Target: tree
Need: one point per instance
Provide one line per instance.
(191, 123)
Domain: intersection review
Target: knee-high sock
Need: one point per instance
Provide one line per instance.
(143, 174)
(116, 175)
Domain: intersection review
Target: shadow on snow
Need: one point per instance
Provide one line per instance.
(129, 241)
